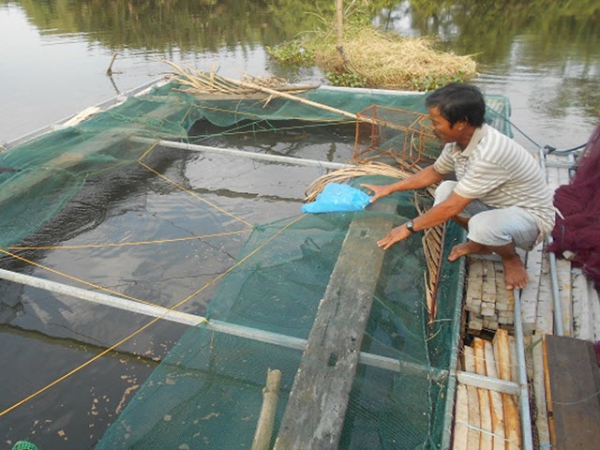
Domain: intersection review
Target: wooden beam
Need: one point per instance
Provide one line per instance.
(484, 397)
(497, 406)
(541, 418)
(314, 416)
(461, 423)
(473, 399)
(512, 423)
(573, 381)
(529, 294)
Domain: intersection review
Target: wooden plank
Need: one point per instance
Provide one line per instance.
(573, 381)
(474, 286)
(512, 421)
(529, 294)
(488, 294)
(314, 415)
(484, 398)
(583, 325)
(474, 436)
(541, 417)
(514, 369)
(595, 307)
(497, 407)
(563, 273)
(545, 317)
(461, 422)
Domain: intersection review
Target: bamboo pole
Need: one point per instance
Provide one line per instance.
(109, 71)
(339, 13)
(277, 93)
(264, 429)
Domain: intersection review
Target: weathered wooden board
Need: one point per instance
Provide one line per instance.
(512, 423)
(529, 294)
(573, 380)
(545, 307)
(314, 416)
(539, 392)
(583, 317)
(563, 274)
(484, 397)
(461, 429)
(497, 407)
(474, 436)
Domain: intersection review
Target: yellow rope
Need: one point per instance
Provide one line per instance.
(125, 244)
(79, 280)
(187, 190)
(153, 321)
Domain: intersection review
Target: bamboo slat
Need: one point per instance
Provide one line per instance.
(474, 436)
(511, 412)
(484, 398)
(497, 407)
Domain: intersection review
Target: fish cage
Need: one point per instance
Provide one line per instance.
(150, 202)
(395, 136)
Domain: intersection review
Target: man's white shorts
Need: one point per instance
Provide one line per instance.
(494, 226)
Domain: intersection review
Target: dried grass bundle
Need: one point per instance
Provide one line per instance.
(365, 168)
(388, 61)
(199, 82)
(341, 175)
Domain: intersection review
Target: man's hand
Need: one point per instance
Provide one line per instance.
(396, 235)
(379, 191)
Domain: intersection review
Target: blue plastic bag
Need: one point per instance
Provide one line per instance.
(337, 197)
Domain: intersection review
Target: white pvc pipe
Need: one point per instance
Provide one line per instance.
(369, 359)
(526, 435)
(558, 316)
(241, 153)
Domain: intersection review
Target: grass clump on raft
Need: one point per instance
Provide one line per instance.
(370, 57)
(385, 60)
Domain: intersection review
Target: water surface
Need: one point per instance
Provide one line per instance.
(543, 55)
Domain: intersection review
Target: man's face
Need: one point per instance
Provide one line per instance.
(441, 127)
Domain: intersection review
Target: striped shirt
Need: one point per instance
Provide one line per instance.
(501, 173)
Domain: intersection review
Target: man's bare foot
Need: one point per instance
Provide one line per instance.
(515, 273)
(468, 248)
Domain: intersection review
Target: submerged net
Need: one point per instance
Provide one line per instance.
(48, 172)
(207, 393)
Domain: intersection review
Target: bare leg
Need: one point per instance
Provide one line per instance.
(515, 274)
(462, 221)
(468, 248)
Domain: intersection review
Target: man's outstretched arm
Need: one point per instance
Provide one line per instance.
(419, 180)
(440, 213)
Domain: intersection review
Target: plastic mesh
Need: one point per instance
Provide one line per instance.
(208, 392)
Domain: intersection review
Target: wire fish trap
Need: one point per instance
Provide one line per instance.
(394, 136)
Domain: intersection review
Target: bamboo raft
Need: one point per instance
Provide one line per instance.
(485, 419)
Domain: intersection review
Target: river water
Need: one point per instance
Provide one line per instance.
(543, 55)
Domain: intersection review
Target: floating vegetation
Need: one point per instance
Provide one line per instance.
(369, 57)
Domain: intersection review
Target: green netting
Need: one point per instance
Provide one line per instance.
(55, 167)
(207, 393)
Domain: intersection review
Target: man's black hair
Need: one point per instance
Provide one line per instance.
(459, 101)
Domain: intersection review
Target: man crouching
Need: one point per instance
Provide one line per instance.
(500, 197)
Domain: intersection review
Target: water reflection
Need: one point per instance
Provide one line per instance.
(509, 39)
(543, 55)
(194, 26)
